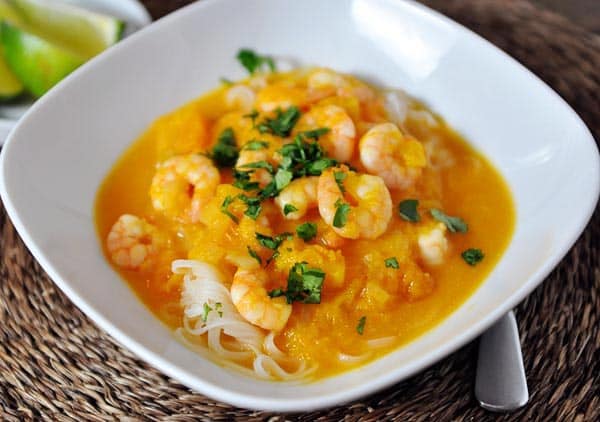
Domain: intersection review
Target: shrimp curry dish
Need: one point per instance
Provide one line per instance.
(300, 224)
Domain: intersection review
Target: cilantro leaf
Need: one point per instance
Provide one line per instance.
(272, 242)
(253, 254)
(408, 210)
(259, 165)
(252, 116)
(253, 62)
(454, 224)
(283, 178)
(392, 263)
(276, 293)
(304, 284)
(318, 166)
(315, 133)
(255, 145)
(218, 307)
(225, 208)
(472, 256)
(225, 152)
(226, 81)
(306, 231)
(241, 180)
(339, 177)
(288, 208)
(360, 327)
(205, 311)
(283, 122)
(341, 214)
(253, 206)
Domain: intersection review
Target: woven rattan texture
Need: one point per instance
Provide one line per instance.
(56, 364)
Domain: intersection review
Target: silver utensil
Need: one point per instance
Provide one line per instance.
(500, 384)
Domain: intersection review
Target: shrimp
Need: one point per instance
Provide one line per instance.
(131, 242)
(433, 244)
(340, 140)
(365, 197)
(326, 80)
(240, 97)
(252, 301)
(387, 153)
(301, 194)
(182, 185)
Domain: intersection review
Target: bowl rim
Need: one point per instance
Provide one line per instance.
(219, 393)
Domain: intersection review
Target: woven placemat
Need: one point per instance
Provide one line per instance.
(56, 364)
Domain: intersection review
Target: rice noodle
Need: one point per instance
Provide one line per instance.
(208, 309)
(380, 342)
(342, 357)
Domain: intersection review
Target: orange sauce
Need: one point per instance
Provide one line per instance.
(468, 187)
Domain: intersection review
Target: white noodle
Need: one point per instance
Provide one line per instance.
(202, 285)
(380, 342)
(342, 357)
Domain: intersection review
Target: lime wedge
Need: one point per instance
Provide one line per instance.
(38, 64)
(80, 31)
(10, 87)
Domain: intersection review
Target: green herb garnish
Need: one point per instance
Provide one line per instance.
(282, 178)
(303, 285)
(283, 122)
(360, 327)
(341, 214)
(241, 180)
(254, 255)
(288, 208)
(253, 206)
(254, 62)
(392, 263)
(226, 81)
(315, 133)
(205, 311)
(259, 165)
(252, 116)
(225, 152)
(339, 177)
(255, 145)
(272, 242)
(473, 256)
(225, 208)
(454, 224)
(306, 231)
(218, 307)
(408, 210)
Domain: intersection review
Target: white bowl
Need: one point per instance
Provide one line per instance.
(61, 150)
(130, 11)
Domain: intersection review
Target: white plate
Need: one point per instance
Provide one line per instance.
(61, 150)
(130, 11)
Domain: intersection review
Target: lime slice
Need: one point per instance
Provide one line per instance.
(38, 64)
(10, 87)
(80, 31)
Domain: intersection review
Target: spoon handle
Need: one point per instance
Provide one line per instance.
(500, 384)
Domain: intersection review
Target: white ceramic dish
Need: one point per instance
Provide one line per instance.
(130, 11)
(61, 150)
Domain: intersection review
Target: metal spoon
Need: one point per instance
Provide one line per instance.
(500, 384)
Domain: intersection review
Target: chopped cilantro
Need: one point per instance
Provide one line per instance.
(283, 178)
(253, 62)
(241, 180)
(225, 152)
(454, 224)
(316, 167)
(255, 145)
(341, 214)
(408, 210)
(360, 327)
(259, 165)
(392, 263)
(225, 208)
(473, 256)
(283, 122)
(252, 116)
(315, 133)
(339, 177)
(303, 285)
(288, 208)
(272, 242)
(226, 81)
(253, 206)
(218, 307)
(306, 231)
(205, 311)
(254, 255)
(304, 158)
